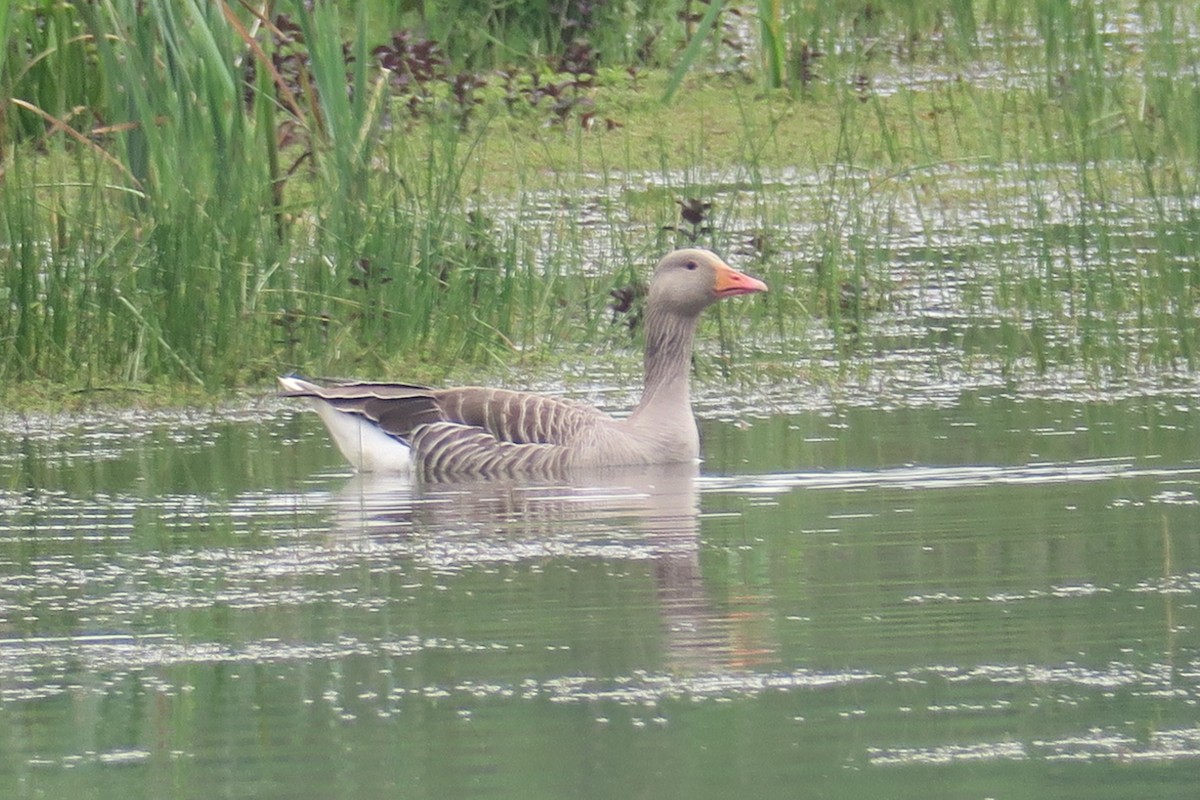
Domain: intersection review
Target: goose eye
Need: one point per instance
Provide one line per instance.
(691, 265)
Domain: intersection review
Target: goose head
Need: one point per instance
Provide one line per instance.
(687, 281)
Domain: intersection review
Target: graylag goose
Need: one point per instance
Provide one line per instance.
(474, 431)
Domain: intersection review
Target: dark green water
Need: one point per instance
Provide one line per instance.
(996, 598)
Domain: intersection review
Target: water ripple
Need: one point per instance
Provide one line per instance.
(944, 477)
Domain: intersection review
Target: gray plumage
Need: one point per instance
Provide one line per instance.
(482, 432)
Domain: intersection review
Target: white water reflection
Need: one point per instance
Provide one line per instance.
(947, 477)
(1095, 745)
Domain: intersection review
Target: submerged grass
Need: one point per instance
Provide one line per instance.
(197, 195)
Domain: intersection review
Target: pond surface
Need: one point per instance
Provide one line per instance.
(991, 597)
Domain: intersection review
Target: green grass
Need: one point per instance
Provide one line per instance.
(178, 212)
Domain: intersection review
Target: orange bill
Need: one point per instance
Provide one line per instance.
(731, 282)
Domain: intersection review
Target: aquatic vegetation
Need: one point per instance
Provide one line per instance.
(194, 193)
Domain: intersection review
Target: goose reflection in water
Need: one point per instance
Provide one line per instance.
(641, 514)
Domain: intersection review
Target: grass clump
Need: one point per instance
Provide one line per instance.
(228, 214)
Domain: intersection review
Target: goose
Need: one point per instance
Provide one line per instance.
(474, 431)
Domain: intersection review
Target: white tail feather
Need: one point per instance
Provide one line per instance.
(360, 441)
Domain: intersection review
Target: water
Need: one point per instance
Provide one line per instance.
(990, 597)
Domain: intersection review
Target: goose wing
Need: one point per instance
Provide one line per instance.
(516, 417)
(467, 430)
(395, 408)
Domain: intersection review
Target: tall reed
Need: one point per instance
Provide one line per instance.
(183, 246)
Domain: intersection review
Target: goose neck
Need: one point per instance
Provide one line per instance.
(668, 361)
